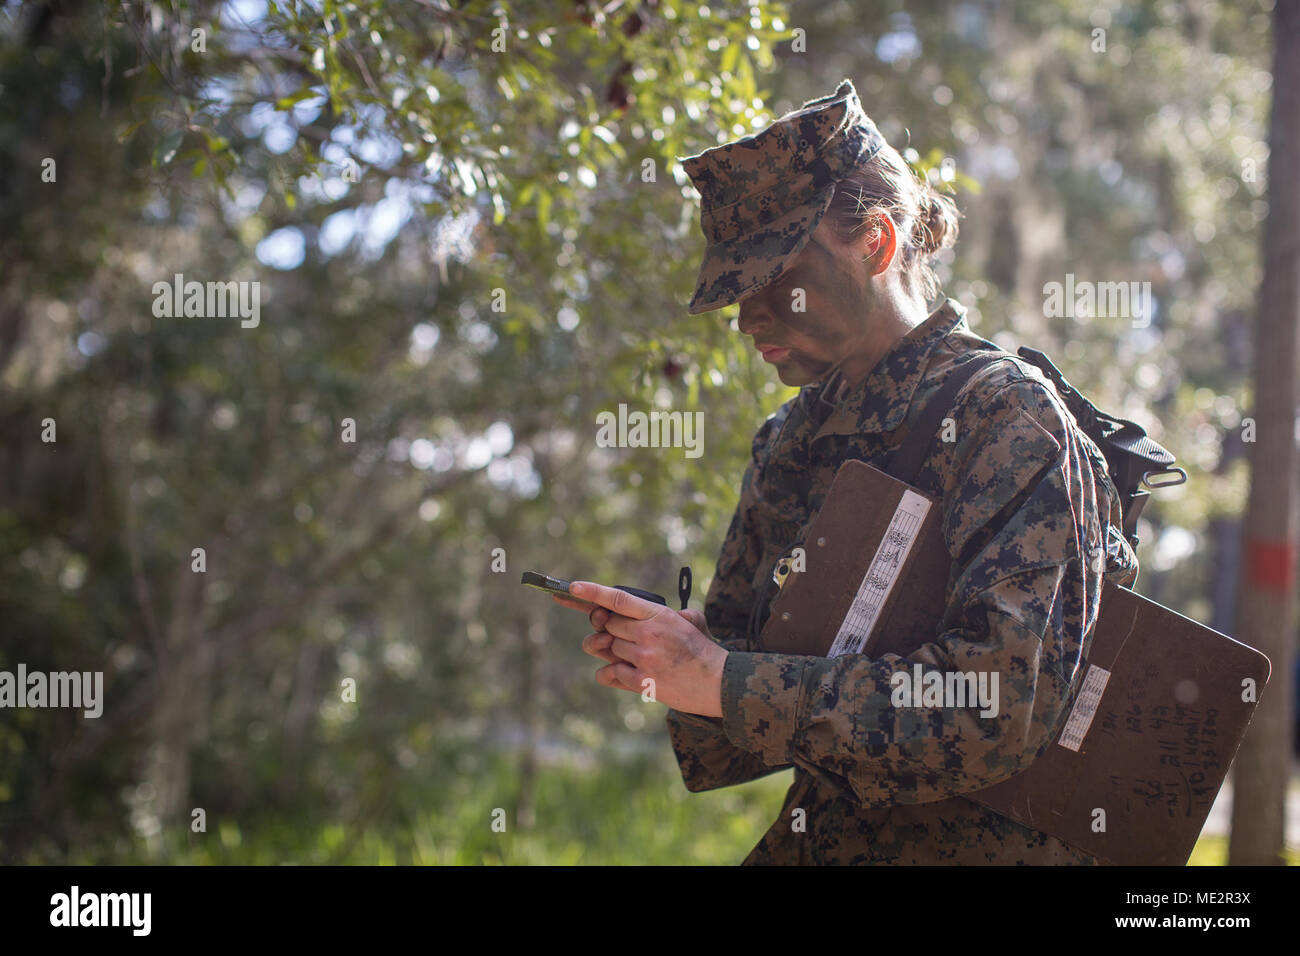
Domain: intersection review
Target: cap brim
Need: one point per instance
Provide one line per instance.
(736, 268)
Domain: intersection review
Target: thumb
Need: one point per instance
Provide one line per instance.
(696, 618)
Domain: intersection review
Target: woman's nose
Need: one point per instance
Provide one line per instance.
(751, 318)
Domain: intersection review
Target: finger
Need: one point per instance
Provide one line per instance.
(697, 618)
(573, 603)
(620, 676)
(597, 645)
(627, 651)
(598, 618)
(629, 629)
(620, 602)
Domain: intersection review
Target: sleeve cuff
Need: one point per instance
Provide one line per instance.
(761, 695)
(692, 720)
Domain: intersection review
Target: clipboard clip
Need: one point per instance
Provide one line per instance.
(784, 564)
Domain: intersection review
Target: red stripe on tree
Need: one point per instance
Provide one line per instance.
(1271, 564)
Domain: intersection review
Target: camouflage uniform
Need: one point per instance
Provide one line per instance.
(1030, 517)
(1032, 521)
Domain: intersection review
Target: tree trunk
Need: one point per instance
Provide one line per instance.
(298, 720)
(533, 631)
(1268, 592)
(184, 674)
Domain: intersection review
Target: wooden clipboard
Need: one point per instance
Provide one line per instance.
(1155, 715)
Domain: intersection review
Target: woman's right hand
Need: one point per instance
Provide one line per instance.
(597, 644)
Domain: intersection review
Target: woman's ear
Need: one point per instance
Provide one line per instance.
(879, 243)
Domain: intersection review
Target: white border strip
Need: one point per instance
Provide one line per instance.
(881, 576)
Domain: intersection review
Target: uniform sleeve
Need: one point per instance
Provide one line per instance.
(707, 758)
(1027, 513)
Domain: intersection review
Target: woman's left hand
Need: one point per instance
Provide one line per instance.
(658, 651)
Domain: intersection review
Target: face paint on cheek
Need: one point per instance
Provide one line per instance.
(821, 335)
(815, 345)
(812, 364)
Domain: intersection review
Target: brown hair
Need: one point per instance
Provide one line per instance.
(926, 218)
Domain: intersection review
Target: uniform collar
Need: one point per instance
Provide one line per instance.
(880, 401)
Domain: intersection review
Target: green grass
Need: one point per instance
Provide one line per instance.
(637, 816)
(1213, 851)
(635, 813)
(620, 813)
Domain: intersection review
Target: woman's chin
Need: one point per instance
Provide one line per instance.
(794, 375)
(795, 372)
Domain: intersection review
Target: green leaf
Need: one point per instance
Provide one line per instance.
(729, 54)
(287, 102)
(216, 144)
(746, 78)
(123, 136)
(543, 208)
(166, 150)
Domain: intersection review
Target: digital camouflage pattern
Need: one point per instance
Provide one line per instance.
(762, 196)
(1032, 520)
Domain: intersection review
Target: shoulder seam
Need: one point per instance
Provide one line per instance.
(1040, 385)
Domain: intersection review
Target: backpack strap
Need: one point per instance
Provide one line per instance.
(905, 461)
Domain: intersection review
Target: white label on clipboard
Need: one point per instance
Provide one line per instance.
(879, 580)
(1085, 708)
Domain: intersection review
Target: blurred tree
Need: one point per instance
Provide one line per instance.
(471, 360)
(1267, 614)
(472, 237)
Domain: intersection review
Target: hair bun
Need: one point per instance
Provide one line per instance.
(936, 226)
(926, 218)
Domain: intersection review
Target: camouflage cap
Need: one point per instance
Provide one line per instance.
(763, 195)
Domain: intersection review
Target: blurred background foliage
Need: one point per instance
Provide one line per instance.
(472, 236)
